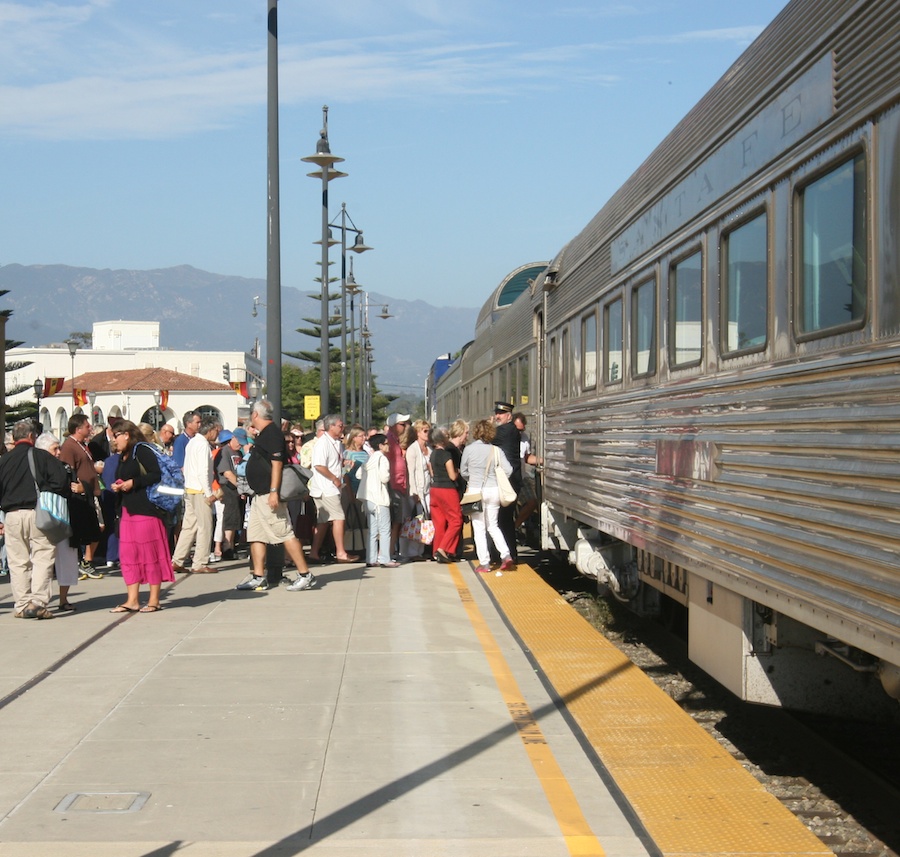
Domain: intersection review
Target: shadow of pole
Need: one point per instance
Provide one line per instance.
(322, 828)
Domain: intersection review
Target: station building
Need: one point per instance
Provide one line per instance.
(125, 373)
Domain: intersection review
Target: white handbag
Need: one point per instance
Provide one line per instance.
(508, 494)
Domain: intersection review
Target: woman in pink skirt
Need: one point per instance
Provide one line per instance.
(143, 545)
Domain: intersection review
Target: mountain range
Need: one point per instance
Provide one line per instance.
(198, 310)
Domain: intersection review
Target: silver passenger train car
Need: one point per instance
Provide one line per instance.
(711, 370)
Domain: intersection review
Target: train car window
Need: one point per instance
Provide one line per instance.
(565, 363)
(745, 290)
(554, 369)
(833, 274)
(589, 351)
(686, 307)
(524, 390)
(643, 329)
(612, 342)
(513, 383)
(501, 389)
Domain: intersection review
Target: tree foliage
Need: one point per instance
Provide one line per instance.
(25, 408)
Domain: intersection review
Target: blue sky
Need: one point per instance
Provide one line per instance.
(478, 135)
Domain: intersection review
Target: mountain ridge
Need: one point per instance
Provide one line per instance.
(405, 345)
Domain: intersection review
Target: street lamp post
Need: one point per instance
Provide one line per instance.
(325, 161)
(73, 347)
(157, 398)
(253, 390)
(92, 400)
(38, 387)
(359, 246)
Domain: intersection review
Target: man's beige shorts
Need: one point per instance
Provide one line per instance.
(329, 509)
(272, 527)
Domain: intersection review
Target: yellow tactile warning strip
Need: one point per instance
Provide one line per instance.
(691, 795)
(577, 834)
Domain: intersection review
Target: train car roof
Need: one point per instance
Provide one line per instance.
(782, 51)
(511, 286)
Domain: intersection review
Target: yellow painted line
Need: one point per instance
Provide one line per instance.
(577, 834)
(690, 794)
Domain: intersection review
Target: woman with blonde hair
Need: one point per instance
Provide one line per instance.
(417, 454)
(149, 434)
(478, 467)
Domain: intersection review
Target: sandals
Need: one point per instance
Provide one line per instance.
(122, 608)
(150, 608)
(68, 607)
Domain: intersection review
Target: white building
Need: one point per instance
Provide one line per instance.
(117, 375)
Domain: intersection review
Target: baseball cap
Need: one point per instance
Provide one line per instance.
(241, 435)
(224, 436)
(393, 419)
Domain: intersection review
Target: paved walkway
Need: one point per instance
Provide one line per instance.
(371, 715)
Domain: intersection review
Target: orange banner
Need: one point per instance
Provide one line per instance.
(163, 399)
(52, 386)
(81, 397)
(240, 387)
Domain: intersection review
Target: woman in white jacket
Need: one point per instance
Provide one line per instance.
(374, 476)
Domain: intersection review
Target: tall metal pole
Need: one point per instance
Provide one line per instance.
(344, 311)
(273, 247)
(73, 347)
(354, 415)
(325, 343)
(3, 371)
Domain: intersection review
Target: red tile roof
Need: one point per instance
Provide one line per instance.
(121, 380)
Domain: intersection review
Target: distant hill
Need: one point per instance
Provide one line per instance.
(199, 310)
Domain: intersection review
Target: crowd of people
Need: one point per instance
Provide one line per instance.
(403, 485)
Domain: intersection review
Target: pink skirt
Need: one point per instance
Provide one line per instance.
(144, 550)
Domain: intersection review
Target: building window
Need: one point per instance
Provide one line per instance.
(612, 339)
(686, 310)
(833, 237)
(746, 288)
(643, 329)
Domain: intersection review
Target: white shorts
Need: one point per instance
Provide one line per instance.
(329, 508)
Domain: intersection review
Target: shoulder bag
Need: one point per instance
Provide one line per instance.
(508, 494)
(51, 514)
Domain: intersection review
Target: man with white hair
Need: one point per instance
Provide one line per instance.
(30, 553)
(269, 522)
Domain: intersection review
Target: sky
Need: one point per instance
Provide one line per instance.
(478, 135)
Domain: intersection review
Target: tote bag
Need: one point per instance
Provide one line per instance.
(508, 494)
(51, 514)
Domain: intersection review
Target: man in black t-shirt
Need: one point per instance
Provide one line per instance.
(269, 522)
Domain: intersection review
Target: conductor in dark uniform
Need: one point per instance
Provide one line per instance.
(509, 438)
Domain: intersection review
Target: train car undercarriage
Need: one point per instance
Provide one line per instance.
(757, 652)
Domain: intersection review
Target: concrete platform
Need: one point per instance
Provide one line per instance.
(386, 712)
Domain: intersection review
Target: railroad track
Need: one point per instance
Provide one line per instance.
(842, 780)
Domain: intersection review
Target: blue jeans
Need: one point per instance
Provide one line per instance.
(379, 518)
